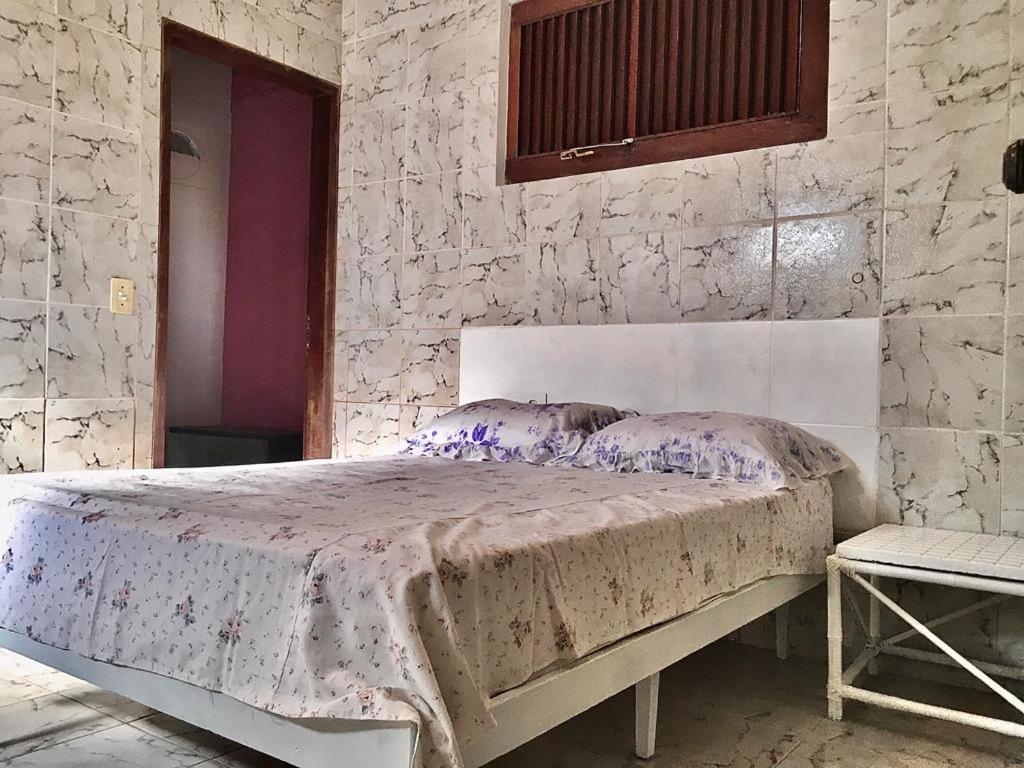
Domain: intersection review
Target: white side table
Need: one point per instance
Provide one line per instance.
(979, 562)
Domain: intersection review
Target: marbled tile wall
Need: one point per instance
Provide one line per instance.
(79, 137)
(899, 215)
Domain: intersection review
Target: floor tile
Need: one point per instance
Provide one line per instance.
(14, 689)
(45, 721)
(120, 747)
(108, 703)
(210, 745)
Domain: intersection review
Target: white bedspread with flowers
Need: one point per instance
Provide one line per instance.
(402, 589)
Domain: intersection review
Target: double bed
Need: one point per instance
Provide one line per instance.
(392, 611)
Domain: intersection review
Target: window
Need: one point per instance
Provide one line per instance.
(598, 85)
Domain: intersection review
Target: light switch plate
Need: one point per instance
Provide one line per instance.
(122, 296)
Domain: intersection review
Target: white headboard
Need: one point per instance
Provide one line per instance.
(822, 375)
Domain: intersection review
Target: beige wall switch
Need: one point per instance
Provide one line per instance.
(122, 296)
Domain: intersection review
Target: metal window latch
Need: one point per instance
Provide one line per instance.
(590, 149)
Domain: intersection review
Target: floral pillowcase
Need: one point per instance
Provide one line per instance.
(712, 445)
(506, 431)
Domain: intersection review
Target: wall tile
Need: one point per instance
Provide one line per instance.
(338, 440)
(23, 250)
(853, 119)
(1016, 38)
(24, 151)
(946, 259)
(318, 55)
(942, 372)
(1015, 270)
(98, 77)
(346, 173)
(726, 273)
(432, 290)
(729, 188)
(430, 367)
(641, 199)
(481, 129)
(436, 140)
(939, 146)
(377, 145)
(87, 251)
(433, 212)
(26, 53)
(142, 447)
(370, 291)
(563, 209)
(340, 382)
(415, 417)
(380, 70)
(89, 353)
(376, 16)
(1014, 396)
(495, 215)
(22, 348)
(483, 40)
(437, 55)
(324, 17)
(121, 17)
(1012, 521)
(494, 285)
(149, 182)
(829, 268)
(371, 429)
(942, 44)
(95, 168)
(21, 436)
(639, 278)
(374, 365)
(832, 176)
(857, 54)
(373, 223)
(940, 479)
(562, 285)
(88, 434)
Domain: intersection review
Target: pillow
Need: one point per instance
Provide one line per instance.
(716, 445)
(504, 430)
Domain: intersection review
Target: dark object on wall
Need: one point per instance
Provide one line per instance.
(230, 446)
(1013, 167)
(603, 84)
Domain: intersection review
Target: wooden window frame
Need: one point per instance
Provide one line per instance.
(809, 122)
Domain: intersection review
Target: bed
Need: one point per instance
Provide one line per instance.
(392, 610)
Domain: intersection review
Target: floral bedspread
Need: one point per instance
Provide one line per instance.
(405, 589)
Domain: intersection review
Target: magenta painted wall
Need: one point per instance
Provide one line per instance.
(268, 230)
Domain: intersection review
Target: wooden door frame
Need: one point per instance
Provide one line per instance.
(323, 222)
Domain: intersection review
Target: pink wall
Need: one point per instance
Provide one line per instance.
(264, 381)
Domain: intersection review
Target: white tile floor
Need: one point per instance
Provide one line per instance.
(726, 707)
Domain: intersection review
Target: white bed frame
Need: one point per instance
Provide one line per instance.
(807, 372)
(522, 713)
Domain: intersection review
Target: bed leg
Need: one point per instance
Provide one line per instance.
(874, 625)
(835, 640)
(646, 715)
(782, 631)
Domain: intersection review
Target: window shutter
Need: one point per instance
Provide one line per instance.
(616, 83)
(572, 84)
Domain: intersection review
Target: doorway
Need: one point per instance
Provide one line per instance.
(245, 274)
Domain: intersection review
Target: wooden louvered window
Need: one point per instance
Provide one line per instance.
(602, 84)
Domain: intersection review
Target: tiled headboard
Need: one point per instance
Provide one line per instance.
(822, 375)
